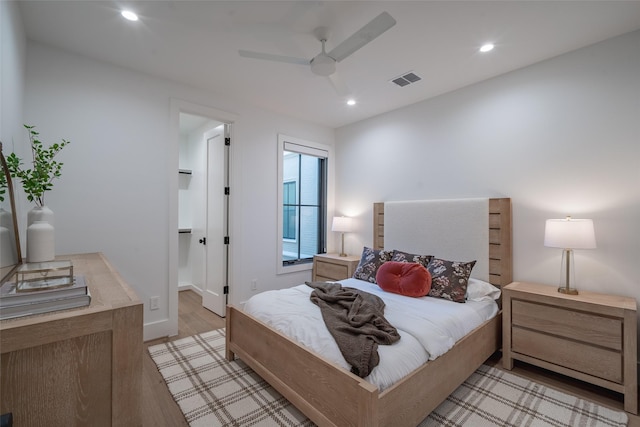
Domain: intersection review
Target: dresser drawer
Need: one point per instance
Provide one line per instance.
(582, 357)
(576, 325)
(332, 271)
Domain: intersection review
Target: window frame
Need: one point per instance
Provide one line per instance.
(288, 143)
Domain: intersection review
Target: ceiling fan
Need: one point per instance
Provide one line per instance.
(324, 63)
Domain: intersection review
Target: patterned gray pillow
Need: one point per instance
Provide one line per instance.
(369, 263)
(400, 256)
(449, 279)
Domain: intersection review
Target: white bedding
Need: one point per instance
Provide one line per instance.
(428, 327)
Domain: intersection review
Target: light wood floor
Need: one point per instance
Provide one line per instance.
(159, 408)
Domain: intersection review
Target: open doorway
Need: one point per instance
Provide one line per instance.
(203, 205)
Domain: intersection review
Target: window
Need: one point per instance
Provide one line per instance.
(303, 199)
(289, 195)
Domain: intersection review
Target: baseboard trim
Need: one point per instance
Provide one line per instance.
(189, 287)
(162, 328)
(157, 329)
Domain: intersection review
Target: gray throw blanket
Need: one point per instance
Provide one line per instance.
(356, 321)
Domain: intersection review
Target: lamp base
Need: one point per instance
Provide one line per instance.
(342, 252)
(568, 291)
(569, 275)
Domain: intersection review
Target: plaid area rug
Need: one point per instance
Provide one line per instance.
(213, 392)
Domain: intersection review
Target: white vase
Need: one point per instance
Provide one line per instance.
(40, 213)
(7, 257)
(8, 250)
(6, 220)
(40, 242)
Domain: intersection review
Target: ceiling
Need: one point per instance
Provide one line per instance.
(197, 43)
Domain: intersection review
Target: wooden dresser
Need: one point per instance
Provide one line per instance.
(589, 336)
(80, 366)
(332, 267)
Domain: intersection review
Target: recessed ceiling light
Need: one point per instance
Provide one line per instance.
(487, 47)
(351, 102)
(129, 15)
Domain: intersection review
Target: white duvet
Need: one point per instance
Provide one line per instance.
(428, 327)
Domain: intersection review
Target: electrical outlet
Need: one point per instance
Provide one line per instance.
(254, 284)
(154, 303)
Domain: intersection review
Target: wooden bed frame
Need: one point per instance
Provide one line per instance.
(332, 396)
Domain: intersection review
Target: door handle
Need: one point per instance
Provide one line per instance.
(203, 241)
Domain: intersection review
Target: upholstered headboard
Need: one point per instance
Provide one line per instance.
(455, 229)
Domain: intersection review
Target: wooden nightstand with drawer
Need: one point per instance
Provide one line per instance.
(589, 336)
(332, 267)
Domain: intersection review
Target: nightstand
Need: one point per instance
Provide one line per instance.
(589, 336)
(332, 267)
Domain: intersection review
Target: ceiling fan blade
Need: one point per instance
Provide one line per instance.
(339, 85)
(364, 35)
(271, 57)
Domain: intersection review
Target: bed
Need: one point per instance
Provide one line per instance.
(331, 395)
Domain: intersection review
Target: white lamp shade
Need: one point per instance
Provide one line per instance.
(569, 233)
(341, 224)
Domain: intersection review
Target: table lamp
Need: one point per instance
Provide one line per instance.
(569, 234)
(341, 224)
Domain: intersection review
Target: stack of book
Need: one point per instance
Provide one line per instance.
(15, 303)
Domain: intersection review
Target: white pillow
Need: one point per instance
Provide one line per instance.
(478, 290)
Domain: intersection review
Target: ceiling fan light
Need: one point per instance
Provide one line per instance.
(323, 65)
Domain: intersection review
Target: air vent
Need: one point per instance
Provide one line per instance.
(406, 79)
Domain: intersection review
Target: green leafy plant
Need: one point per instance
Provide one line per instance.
(38, 180)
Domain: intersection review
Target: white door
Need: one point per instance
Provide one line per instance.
(214, 297)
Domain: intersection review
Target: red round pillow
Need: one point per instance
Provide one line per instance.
(405, 278)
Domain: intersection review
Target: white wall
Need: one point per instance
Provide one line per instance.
(13, 59)
(121, 166)
(559, 137)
